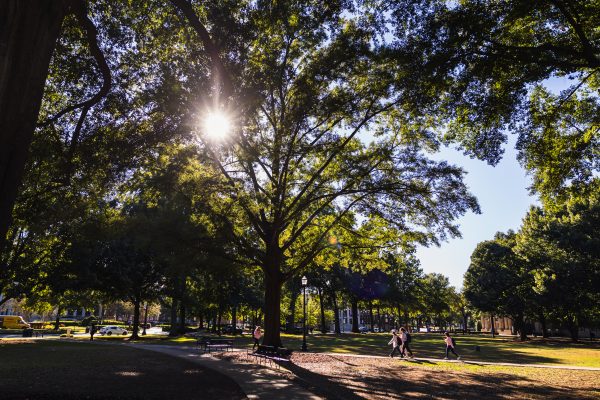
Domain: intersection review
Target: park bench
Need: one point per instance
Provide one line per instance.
(217, 344)
(271, 354)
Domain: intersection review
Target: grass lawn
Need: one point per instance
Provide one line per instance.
(65, 370)
(503, 349)
(500, 349)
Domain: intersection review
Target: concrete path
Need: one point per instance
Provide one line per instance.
(473, 362)
(256, 381)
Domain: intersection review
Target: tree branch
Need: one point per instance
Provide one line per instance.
(588, 48)
(221, 75)
(80, 11)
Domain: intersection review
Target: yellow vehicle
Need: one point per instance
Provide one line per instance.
(13, 322)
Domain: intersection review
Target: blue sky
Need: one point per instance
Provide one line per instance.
(503, 196)
(504, 199)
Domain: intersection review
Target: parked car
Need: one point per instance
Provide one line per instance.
(229, 329)
(363, 329)
(112, 329)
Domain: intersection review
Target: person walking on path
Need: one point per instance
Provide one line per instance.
(92, 331)
(256, 335)
(450, 345)
(405, 337)
(395, 342)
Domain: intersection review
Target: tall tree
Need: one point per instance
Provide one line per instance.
(499, 281)
(310, 83)
(436, 297)
(563, 245)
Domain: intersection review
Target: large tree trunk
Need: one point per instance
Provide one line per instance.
(200, 320)
(544, 327)
(336, 314)
(273, 284)
(322, 305)
(136, 319)
(181, 327)
(492, 329)
(354, 305)
(173, 329)
(274, 279)
(573, 329)
(519, 324)
(234, 319)
(379, 318)
(213, 329)
(219, 317)
(57, 321)
(28, 34)
(371, 320)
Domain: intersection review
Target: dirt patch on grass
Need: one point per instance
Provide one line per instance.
(349, 378)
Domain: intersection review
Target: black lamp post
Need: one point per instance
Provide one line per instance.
(304, 282)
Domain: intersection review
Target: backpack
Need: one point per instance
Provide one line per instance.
(408, 337)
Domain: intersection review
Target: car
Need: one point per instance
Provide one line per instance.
(229, 329)
(363, 329)
(112, 329)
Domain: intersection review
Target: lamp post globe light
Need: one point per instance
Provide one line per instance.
(304, 283)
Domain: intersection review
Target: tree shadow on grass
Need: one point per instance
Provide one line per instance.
(396, 382)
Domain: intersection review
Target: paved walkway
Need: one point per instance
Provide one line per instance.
(256, 381)
(473, 362)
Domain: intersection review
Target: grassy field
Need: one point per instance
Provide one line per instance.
(500, 349)
(65, 370)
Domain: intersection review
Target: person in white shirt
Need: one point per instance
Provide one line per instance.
(256, 335)
(395, 342)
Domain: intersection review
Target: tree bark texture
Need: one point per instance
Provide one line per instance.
(542, 319)
(274, 280)
(181, 317)
(336, 314)
(57, 321)
(273, 284)
(234, 320)
(136, 319)
(354, 305)
(28, 34)
(173, 329)
(322, 306)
